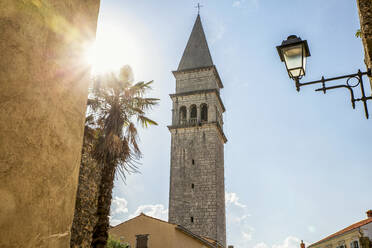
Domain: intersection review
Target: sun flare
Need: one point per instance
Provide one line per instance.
(112, 49)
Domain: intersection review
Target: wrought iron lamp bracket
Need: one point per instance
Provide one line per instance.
(348, 85)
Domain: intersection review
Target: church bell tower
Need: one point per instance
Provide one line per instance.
(197, 191)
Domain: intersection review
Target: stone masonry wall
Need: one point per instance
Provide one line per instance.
(221, 210)
(365, 16)
(196, 80)
(43, 94)
(214, 108)
(197, 190)
(206, 201)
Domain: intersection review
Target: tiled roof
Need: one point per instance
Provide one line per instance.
(202, 239)
(345, 230)
(142, 214)
(181, 228)
(148, 216)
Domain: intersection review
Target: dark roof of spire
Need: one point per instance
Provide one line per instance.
(196, 53)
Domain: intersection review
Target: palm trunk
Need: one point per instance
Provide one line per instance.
(100, 233)
(85, 218)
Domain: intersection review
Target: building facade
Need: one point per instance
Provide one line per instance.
(144, 231)
(197, 192)
(357, 235)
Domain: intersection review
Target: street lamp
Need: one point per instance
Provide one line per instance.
(293, 52)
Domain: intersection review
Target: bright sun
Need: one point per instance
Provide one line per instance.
(113, 49)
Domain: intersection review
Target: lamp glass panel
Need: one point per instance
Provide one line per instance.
(304, 61)
(293, 57)
(296, 73)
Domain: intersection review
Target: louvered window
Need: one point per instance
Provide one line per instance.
(141, 241)
(193, 114)
(204, 113)
(354, 244)
(183, 114)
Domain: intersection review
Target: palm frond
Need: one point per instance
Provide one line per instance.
(146, 122)
(114, 102)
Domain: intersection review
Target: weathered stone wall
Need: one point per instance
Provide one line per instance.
(365, 16)
(220, 174)
(197, 189)
(197, 157)
(201, 79)
(214, 107)
(85, 217)
(43, 92)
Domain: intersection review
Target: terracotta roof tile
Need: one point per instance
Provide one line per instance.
(349, 228)
(142, 214)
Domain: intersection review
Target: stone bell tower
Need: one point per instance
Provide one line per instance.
(197, 191)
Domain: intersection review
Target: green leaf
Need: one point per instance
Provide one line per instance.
(358, 33)
(146, 121)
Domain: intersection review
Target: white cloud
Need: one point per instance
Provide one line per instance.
(232, 198)
(247, 233)
(235, 218)
(238, 3)
(261, 245)
(239, 231)
(311, 229)
(289, 242)
(114, 222)
(217, 33)
(119, 206)
(244, 3)
(156, 211)
(242, 218)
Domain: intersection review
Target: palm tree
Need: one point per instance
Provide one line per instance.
(116, 103)
(90, 172)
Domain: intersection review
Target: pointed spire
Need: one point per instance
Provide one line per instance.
(196, 53)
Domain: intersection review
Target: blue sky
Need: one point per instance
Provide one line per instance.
(296, 164)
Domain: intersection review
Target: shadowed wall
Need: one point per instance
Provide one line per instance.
(365, 16)
(43, 92)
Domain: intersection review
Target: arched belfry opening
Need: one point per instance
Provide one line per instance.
(183, 115)
(193, 114)
(204, 112)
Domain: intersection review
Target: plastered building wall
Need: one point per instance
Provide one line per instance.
(43, 93)
(161, 234)
(345, 239)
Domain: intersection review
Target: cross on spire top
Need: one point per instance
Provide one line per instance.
(198, 7)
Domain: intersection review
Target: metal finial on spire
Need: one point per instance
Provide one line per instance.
(198, 7)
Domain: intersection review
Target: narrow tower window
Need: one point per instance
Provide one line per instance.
(193, 114)
(192, 185)
(183, 114)
(204, 113)
(192, 219)
(193, 161)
